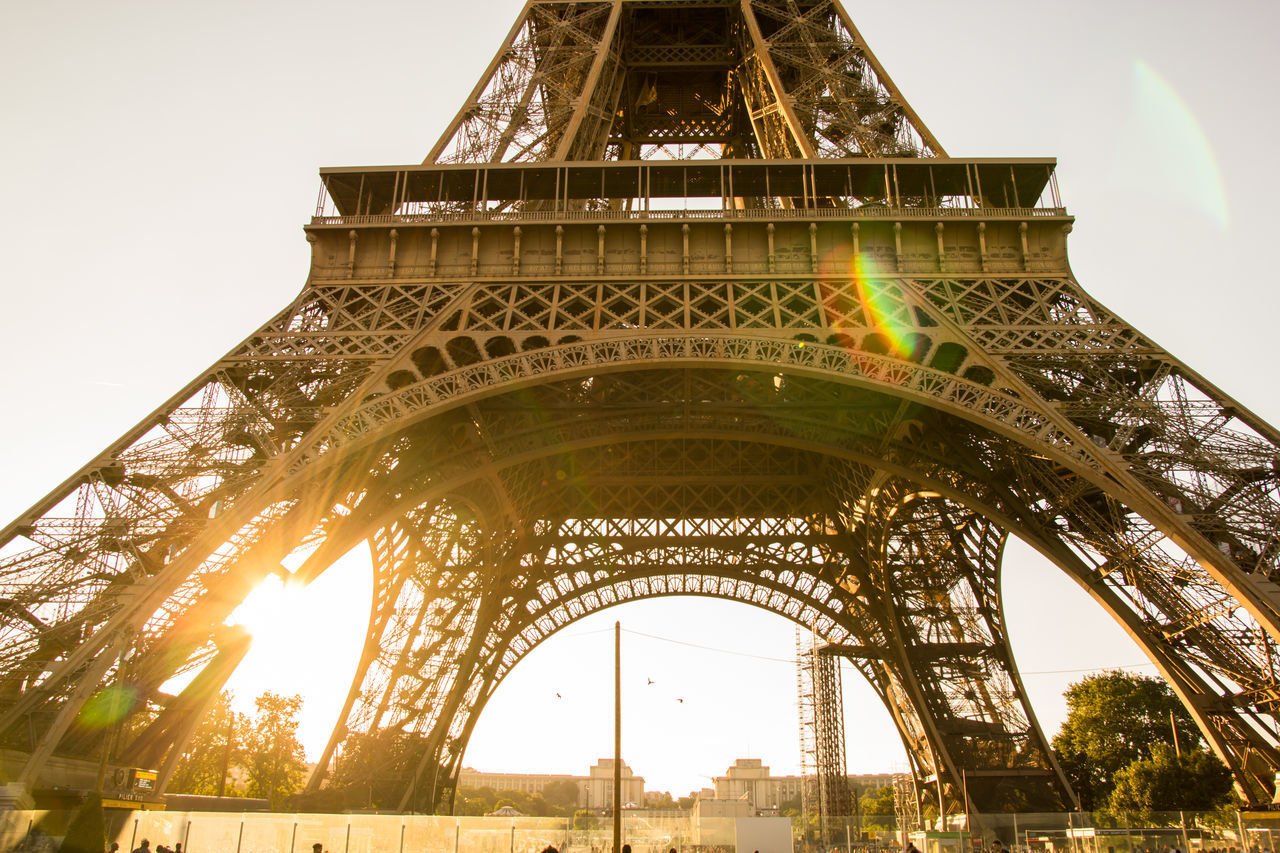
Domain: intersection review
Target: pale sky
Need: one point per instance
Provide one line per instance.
(161, 160)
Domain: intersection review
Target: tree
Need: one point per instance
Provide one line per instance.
(376, 770)
(1195, 781)
(563, 795)
(665, 801)
(1113, 719)
(877, 804)
(475, 801)
(273, 757)
(216, 746)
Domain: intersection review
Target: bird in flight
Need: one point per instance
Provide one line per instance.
(681, 701)
(558, 696)
(651, 681)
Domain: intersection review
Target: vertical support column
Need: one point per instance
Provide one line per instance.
(941, 564)
(600, 249)
(644, 249)
(475, 250)
(559, 249)
(435, 251)
(391, 254)
(982, 245)
(857, 245)
(942, 251)
(773, 258)
(897, 244)
(813, 246)
(515, 251)
(351, 253)
(1026, 250)
(728, 247)
(684, 230)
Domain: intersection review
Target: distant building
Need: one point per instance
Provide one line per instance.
(600, 786)
(530, 783)
(750, 779)
(595, 790)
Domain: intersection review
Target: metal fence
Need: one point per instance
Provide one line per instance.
(1075, 832)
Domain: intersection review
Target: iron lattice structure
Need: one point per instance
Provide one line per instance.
(829, 381)
(826, 795)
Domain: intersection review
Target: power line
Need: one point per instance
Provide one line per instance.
(734, 652)
(1089, 669)
(792, 662)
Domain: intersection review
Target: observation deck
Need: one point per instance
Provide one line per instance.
(690, 189)
(672, 218)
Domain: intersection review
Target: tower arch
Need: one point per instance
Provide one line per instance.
(901, 325)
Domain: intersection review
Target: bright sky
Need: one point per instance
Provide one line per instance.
(161, 159)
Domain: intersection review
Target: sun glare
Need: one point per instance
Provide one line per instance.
(260, 614)
(306, 640)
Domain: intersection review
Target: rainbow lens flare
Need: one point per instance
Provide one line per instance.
(108, 706)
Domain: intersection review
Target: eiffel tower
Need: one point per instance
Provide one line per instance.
(686, 300)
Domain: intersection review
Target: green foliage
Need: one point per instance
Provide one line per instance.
(480, 801)
(878, 808)
(1113, 719)
(374, 770)
(475, 801)
(1195, 781)
(218, 743)
(563, 794)
(273, 757)
(663, 802)
(585, 820)
(87, 832)
(878, 801)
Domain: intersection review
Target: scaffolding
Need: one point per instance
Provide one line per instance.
(826, 800)
(906, 805)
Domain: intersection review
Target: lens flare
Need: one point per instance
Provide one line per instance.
(1164, 149)
(884, 309)
(108, 706)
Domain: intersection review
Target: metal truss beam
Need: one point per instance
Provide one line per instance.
(537, 395)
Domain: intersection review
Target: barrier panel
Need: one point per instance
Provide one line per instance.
(1075, 832)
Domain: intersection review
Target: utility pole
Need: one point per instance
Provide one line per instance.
(617, 737)
(226, 752)
(1177, 751)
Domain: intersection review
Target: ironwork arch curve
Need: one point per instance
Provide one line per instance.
(799, 592)
(1244, 751)
(354, 437)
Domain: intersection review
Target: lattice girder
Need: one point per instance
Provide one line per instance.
(938, 579)
(840, 95)
(529, 100)
(490, 364)
(755, 388)
(615, 78)
(650, 388)
(585, 560)
(769, 355)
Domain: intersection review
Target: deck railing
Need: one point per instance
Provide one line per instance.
(752, 214)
